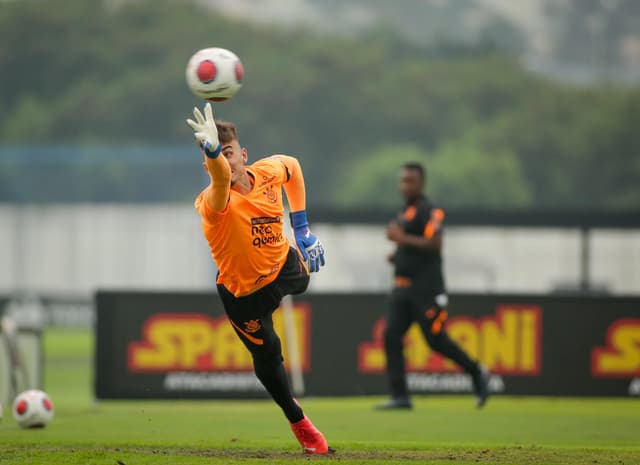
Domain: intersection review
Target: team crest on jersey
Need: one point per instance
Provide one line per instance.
(272, 194)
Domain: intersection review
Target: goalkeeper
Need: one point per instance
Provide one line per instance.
(242, 219)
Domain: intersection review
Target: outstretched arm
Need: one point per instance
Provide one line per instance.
(308, 244)
(294, 183)
(206, 133)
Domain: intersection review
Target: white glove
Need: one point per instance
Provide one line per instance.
(205, 130)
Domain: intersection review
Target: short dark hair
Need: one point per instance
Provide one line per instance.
(226, 131)
(416, 166)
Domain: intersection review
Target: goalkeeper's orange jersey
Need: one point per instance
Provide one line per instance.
(247, 240)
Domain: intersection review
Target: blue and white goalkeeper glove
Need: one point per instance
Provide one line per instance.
(307, 242)
(205, 131)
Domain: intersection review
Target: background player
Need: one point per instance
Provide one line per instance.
(419, 291)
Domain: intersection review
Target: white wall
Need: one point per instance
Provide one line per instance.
(476, 259)
(616, 260)
(75, 249)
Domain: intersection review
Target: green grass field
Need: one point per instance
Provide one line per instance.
(440, 430)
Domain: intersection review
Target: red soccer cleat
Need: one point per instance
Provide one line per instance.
(311, 440)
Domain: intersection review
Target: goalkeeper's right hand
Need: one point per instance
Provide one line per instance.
(205, 131)
(308, 244)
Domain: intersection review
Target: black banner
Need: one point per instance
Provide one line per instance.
(173, 345)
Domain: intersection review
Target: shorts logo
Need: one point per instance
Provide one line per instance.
(252, 326)
(255, 340)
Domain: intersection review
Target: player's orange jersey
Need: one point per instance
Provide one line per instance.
(247, 240)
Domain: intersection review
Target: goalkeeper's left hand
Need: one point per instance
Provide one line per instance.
(308, 243)
(205, 131)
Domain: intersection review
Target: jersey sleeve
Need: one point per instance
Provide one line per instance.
(292, 181)
(203, 207)
(434, 222)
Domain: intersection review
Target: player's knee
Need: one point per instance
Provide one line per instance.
(269, 356)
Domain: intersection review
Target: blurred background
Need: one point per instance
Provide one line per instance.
(525, 113)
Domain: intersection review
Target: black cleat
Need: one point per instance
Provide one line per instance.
(481, 386)
(395, 403)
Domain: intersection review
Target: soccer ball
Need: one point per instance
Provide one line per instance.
(214, 74)
(33, 409)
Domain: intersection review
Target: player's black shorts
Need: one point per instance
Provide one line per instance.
(250, 315)
(407, 306)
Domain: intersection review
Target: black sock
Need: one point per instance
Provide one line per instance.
(274, 379)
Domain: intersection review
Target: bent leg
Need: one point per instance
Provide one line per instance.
(269, 368)
(251, 318)
(432, 321)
